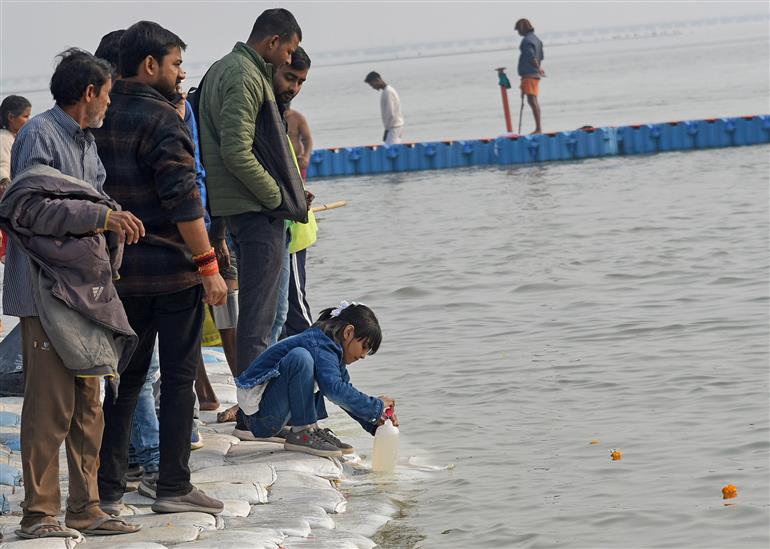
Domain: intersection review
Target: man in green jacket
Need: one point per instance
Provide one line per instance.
(239, 187)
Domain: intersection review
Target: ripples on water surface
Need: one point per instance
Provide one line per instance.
(530, 310)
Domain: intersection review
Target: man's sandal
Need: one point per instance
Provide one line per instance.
(54, 530)
(110, 526)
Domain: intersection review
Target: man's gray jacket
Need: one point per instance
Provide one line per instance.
(58, 221)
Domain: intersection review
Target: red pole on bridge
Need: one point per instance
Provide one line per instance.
(505, 85)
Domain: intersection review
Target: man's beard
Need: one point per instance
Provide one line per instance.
(96, 119)
(171, 94)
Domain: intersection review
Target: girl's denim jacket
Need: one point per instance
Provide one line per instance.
(330, 374)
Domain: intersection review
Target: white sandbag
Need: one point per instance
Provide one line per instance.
(235, 508)
(10, 475)
(338, 538)
(262, 473)
(202, 521)
(316, 542)
(222, 441)
(327, 498)
(315, 515)
(11, 404)
(251, 492)
(297, 479)
(210, 419)
(237, 538)
(328, 468)
(214, 356)
(164, 535)
(137, 499)
(283, 519)
(45, 543)
(114, 544)
(14, 497)
(216, 446)
(366, 515)
(225, 392)
(364, 525)
(205, 460)
(10, 419)
(249, 451)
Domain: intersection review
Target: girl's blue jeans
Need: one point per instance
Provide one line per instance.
(288, 398)
(282, 311)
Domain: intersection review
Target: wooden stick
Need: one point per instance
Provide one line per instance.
(330, 206)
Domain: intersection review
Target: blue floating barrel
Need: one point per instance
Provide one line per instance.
(743, 126)
(751, 130)
(320, 163)
(584, 143)
(532, 148)
(377, 162)
(337, 158)
(412, 157)
(483, 152)
(351, 160)
(765, 135)
(712, 132)
(462, 153)
(436, 155)
(511, 150)
(550, 147)
(566, 144)
(678, 135)
(459, 155)
(609, 141)
(593, 142)
(639, 139)
(396, 159)
(470, 153)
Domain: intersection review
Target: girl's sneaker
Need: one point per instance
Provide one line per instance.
(311, 441)
(344, 447)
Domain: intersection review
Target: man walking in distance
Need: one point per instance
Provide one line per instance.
(530, 58)
(150, 162)
(390, 109)
(58, 406)
(240, 189)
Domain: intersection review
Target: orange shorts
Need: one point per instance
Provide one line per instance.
(529, 86)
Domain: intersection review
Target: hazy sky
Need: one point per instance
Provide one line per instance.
(33, 32)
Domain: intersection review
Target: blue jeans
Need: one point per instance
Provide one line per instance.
(282, 311)
(288, 397)
(260, 244)
(145, 431)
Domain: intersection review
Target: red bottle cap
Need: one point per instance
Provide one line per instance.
(389, 413)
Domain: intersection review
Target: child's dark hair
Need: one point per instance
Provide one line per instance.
(359, 316)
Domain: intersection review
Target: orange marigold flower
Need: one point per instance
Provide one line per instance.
(729, 491)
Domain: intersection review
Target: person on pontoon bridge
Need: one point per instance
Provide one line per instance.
(277, 394)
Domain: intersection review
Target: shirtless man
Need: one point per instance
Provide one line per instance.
(301, 139)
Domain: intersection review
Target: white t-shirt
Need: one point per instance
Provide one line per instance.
(6, 142)
(390, 106)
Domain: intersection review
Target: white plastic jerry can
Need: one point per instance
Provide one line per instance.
(385, 452)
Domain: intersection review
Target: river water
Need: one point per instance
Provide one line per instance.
(530, 311)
